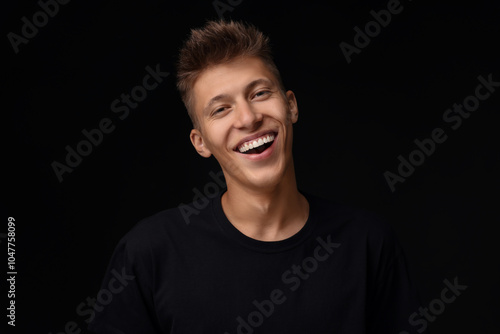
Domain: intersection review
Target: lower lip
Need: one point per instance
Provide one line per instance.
(263, 155)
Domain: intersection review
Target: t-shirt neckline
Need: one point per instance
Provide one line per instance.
(257, 245)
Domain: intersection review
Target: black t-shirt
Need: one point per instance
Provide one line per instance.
(343, 272)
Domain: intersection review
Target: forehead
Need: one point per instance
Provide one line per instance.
(229, 79)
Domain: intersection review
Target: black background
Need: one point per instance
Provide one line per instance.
(355, 120)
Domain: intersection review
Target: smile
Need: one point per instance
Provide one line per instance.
(256, 145)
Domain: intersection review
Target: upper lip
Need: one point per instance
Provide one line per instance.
(256, 135)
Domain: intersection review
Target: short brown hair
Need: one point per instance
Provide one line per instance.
(219, 42)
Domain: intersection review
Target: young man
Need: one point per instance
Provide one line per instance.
(261, 257)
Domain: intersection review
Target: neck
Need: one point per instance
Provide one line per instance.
(270, 214)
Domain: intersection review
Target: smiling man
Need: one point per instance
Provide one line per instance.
(262, 257)
(244, 119)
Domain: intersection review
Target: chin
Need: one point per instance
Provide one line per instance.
(265, 179)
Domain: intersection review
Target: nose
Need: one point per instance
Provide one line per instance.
(247, 116)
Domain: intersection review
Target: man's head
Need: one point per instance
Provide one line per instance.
(219, 42)
(234, 96)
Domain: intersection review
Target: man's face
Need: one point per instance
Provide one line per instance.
(245, 121)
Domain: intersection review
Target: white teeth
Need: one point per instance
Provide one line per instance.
(256, 143)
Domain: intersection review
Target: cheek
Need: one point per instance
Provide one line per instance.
(274, 110)
(216, 137)
(284, 116)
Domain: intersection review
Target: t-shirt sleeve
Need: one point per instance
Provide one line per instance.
(125, 304)
(394, 296)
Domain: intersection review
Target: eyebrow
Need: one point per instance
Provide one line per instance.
(248, 87)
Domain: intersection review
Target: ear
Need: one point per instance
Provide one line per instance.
(292, 106)
(199, 143)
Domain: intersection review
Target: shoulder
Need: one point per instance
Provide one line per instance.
(366, 236)
(153, 232)
(176, 226)
(342, 213)
(353, 223)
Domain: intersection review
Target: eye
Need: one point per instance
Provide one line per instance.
(218, 110)
(262, 93)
